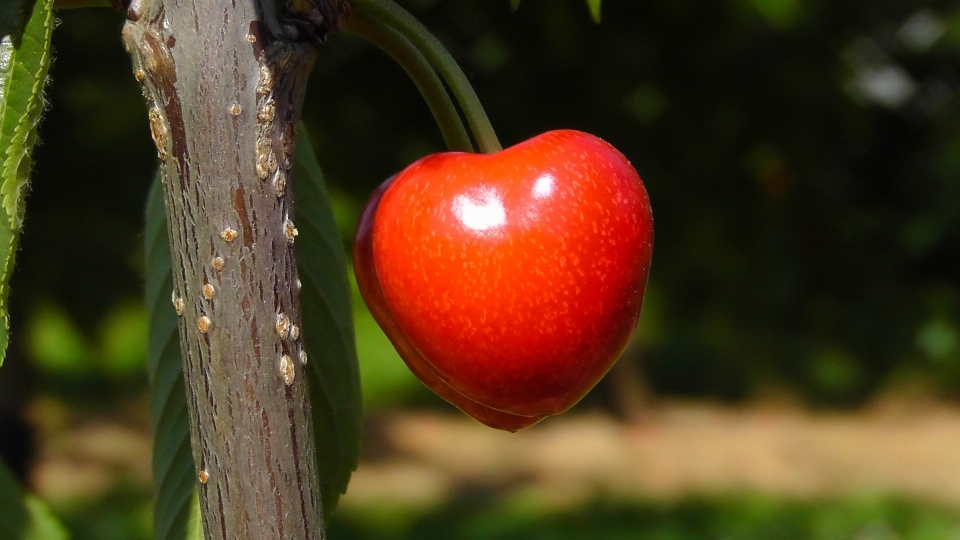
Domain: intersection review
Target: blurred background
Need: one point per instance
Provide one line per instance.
(796, 371)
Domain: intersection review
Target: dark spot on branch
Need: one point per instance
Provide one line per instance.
(223, 517)
(296, 456)
(240, 205)
(255, 335)
(260, 34)
(162, 70)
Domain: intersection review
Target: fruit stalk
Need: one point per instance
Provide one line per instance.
(421, 72)
(391, 14)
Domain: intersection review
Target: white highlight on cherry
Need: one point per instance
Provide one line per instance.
(543, 187)
(481, 211)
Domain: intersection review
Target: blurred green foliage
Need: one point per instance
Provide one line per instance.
(803, 159)
(732, 518)
(123, 514)
(384, 377)
(57, 346)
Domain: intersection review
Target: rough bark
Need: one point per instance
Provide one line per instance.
(224, 83)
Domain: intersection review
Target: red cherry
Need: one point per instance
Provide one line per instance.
(370, 290)
(509, 282)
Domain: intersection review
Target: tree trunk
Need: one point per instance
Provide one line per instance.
(224, 83)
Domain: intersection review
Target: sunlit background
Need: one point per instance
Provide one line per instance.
(797, 365)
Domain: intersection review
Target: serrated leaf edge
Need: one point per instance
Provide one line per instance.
(17, 164)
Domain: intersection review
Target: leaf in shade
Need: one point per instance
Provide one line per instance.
(329, 338)
(195, 519)
(24, 61)
(11, 15)
(73, 4)
(173, 470)
(594, 6)
(514, 4)
(23, 516)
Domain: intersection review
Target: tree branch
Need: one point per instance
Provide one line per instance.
(224, 83)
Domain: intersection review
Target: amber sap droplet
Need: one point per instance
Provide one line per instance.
(290, 231)
(265, 84)
(208, 291)
(139, 74)
(204, 324)
(229, 234)
(266, 161)
(235, 109)
(287, 370)
(217, 263)
(294, 331)
(159, 132)
(303, 358)
(177, 304)
(204, 476)
(279, 183)
(283, 326)
(267, 111)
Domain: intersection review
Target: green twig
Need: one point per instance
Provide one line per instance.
(389, 13)
(421, 72)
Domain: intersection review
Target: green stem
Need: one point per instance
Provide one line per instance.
(389, 13)
(421, 72)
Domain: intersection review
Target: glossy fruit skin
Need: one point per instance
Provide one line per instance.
(510, 281)
(369, 287)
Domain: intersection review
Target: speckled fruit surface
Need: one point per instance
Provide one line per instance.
(513, 280)
(369, 287)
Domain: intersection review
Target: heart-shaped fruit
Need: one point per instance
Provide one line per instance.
(509, 282)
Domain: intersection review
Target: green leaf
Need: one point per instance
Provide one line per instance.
(328, 340)
(173, 471)
(514, 4)
(11, 15)
(23, 516)
(779, 13)
(24, 61)
(195, 519)
(594, 6)
(329, 337)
